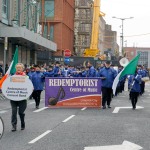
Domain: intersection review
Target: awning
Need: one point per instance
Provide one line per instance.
(26, 37)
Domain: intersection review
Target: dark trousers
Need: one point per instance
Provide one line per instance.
(142, 87)
(21, 107)
(31, 96)
(134, 98)
(122, 86)
(37, 96)
(106, 96)
(117, 90)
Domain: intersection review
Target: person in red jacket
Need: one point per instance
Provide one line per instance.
(22, 105)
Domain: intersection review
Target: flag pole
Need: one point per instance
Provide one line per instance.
(5, 49)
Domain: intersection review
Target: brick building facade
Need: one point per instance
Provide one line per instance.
(144, 59)
(110, 41)
(57, 20)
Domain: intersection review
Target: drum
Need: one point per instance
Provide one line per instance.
(145, 79)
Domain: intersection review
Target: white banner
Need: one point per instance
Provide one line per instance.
(17, 88)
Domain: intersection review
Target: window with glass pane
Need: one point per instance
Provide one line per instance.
(16, 7)
(5, 9)
(49, 8)
(45, 31)
(40, 9)
(51, 32)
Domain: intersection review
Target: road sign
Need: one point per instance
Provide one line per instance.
(67, 53)
(66, 60)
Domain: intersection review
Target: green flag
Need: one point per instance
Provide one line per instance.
(131, 67)
(14, 62)
(128, 70)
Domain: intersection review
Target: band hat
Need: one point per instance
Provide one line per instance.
(108, 62)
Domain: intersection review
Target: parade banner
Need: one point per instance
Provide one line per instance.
(17, 87)
(73, 92)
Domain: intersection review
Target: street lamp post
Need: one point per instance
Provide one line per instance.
(122, 34)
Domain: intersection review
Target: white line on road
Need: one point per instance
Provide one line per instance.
(2, 97)
(68, 118)
(121, 96)
(3, 111)
(132, 145)
(116, 110)
(39, 137)
(126, 145)
(31, 103)
(41, 109)
(84, 108)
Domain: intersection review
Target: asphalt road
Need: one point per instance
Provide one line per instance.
(76, 129)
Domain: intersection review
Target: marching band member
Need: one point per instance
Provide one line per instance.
(107, 76)
(38, 83)
(135, 88)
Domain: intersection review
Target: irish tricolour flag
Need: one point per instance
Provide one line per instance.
(11, 69)
(128, 70)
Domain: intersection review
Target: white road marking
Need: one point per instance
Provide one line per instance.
(31, 103)
(68, 118)
(126, 145)
(2, 97)
(84, 108)
(121, 96)
(132, 145)
(3, 111)
(116, 110)
(41, 109)
(39, 137)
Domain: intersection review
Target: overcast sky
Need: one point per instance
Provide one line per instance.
(139, 25)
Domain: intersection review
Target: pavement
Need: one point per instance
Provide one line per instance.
(80, 129)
